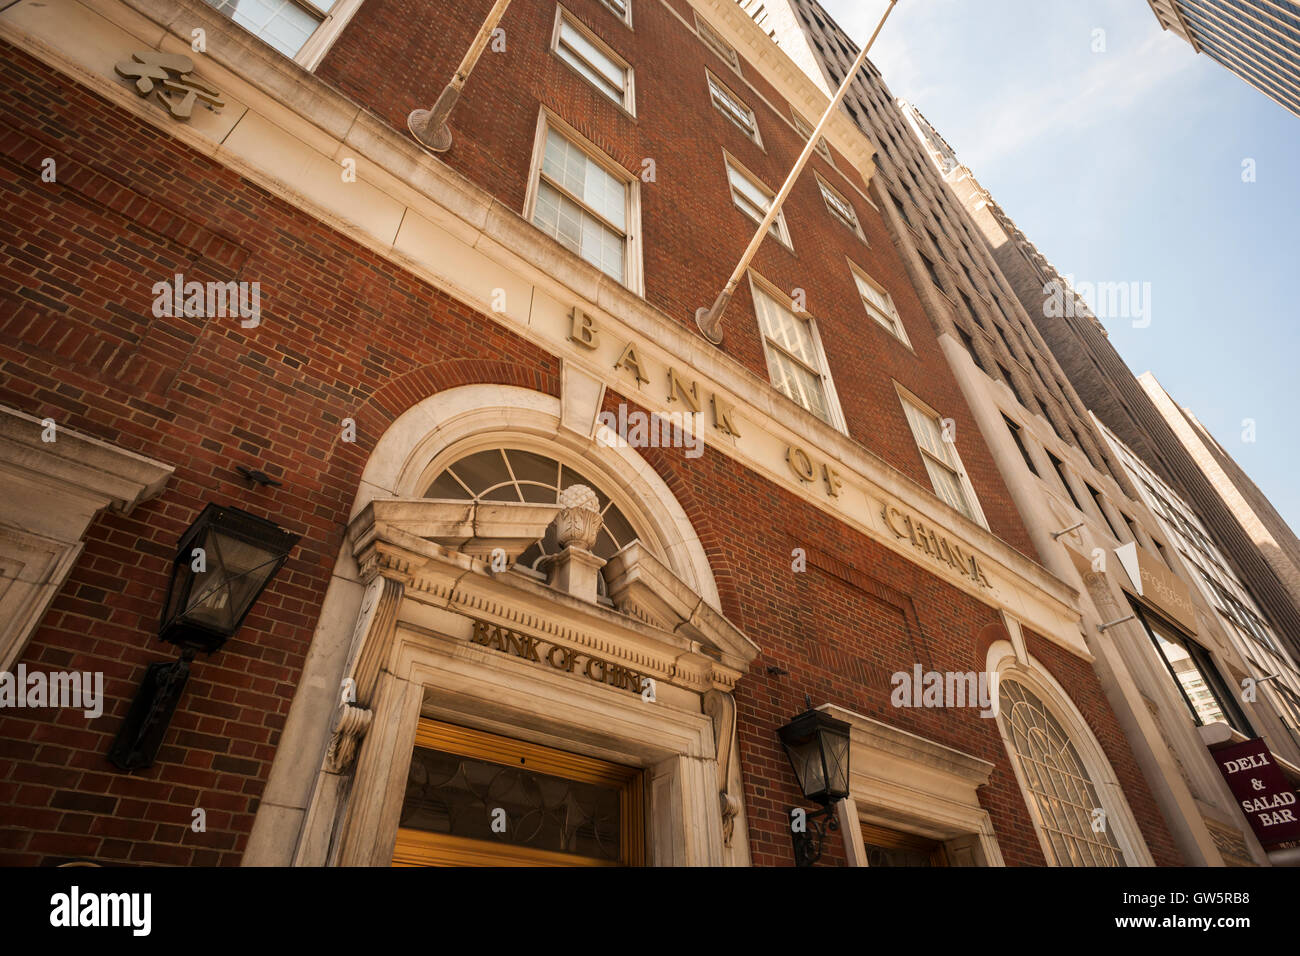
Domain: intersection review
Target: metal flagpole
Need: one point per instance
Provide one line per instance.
(429, 127)
(710, 320)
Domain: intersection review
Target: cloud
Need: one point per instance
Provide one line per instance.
(1013, 75)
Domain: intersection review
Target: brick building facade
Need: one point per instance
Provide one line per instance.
(425, 383)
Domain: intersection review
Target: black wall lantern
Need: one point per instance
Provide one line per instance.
(818, 747)
(223, 563)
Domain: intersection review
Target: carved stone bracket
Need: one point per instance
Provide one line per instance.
(721, 709)
(350, 726)
(371, 639)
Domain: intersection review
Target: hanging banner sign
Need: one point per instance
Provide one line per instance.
(1263, 792)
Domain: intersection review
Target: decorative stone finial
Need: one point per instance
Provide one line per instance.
(579, 520)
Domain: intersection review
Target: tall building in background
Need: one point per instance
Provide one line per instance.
(1088, 521)
(1259, 40)
(1262, 550)
(1257, 643)
(1267, 529)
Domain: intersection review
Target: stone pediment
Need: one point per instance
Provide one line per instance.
(643, 586)
(422, 543)
(470, 527)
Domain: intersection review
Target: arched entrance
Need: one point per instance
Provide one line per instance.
(521, 592)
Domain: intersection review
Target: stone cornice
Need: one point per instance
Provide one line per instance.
(103, 474)
(740, 30)
(908, 746)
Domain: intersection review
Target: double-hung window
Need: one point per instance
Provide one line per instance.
(755, 199)
(942, 462)
(733, 107)
(300, 29)
(806, 132)
(586, 202)
(795, 360)
(620, 8)
(879, 304)
(840, 207)
(593, 60)
(713, 40)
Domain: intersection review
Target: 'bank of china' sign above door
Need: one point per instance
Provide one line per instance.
(682, 427)
(529, 648)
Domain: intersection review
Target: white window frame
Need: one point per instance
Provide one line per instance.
(976, 512)
(758, 284)
(633, 273)
(711, 38)
(625, 15)
(782, 233)
(805, 130)
(563, 16)
(830, 195)
(897, 330)
(719, 91)
(328, 28)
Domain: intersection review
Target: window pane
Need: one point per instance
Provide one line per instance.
(456, 795)
(947, 485)
(569, 217)
(613, 72)
(561, 217)
(585, 179)
(928, 434)
(783, 327)
(750, 197)
(879, 305)
(940, 459)
(1193, 681)
(797, 383)
(840, 207)
(794, 335)
(1058, 783)
(720, 46)
(281, 24)
(735, 110)
(599, 70)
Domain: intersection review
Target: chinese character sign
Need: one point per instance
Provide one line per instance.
(170, 77)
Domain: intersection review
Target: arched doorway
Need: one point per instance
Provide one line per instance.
(544, 596)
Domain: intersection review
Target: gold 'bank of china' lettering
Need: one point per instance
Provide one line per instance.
(584, 333)
(807, 471)
(935, 545)
(556, 655)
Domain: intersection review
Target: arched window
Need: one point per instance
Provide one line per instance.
(1062, 794)
(512, 474)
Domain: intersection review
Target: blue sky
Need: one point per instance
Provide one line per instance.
(1126, 166)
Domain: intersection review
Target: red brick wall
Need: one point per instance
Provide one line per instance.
(693, 234)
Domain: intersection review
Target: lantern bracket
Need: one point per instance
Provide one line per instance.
(808, 841)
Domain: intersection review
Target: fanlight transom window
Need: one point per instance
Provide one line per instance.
(512, 474)
(1058, 783)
